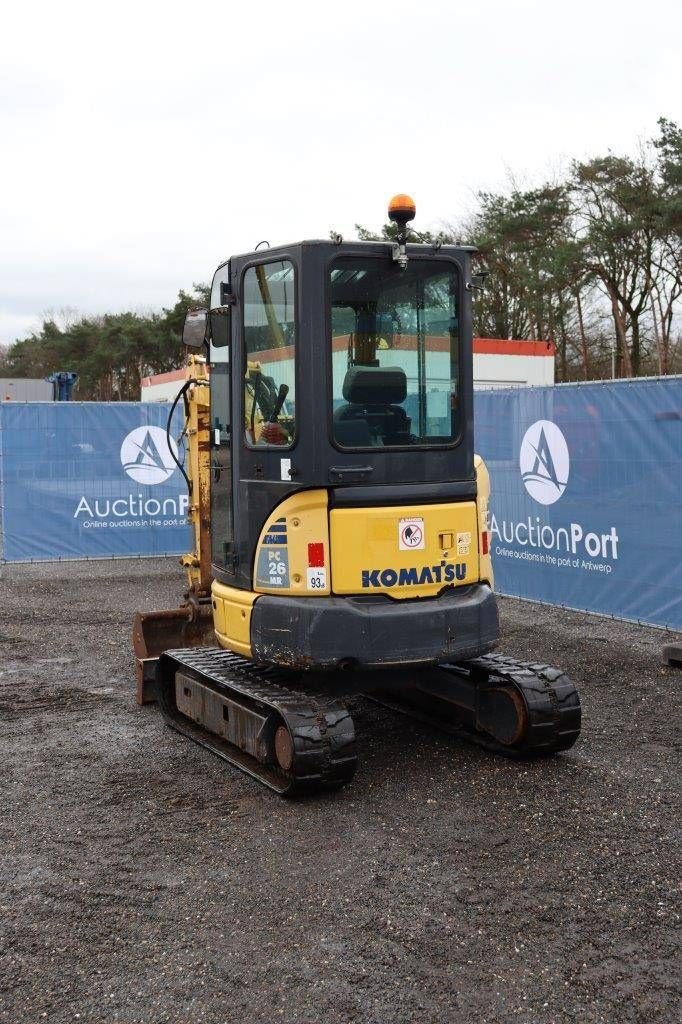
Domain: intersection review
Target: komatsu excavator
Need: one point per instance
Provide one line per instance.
(340, 518)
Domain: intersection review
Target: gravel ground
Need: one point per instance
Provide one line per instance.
(143, 880)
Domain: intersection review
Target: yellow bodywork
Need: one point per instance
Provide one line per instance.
(300, 521)
(232, 617)
(485, 570)
(197, 429)
(370, 553)
(361, 549)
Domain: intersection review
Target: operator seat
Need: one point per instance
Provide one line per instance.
(372, 414)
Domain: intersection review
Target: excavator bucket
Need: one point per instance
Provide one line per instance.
(156, 632)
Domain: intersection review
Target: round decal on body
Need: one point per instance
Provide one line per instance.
(544, 462)
(145, 455)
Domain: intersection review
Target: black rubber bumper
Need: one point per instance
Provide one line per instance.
(375, 630)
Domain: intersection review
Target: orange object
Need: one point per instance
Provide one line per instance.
(503, 347)
(273, 433)
(402, 208)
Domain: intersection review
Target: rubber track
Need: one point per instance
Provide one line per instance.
(551, 699)
(321, 727)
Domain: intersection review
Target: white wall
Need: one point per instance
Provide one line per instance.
(162, 392)
(503, 371)
(490, 371)
(25, 389)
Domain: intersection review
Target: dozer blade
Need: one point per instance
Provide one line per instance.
(170, 629)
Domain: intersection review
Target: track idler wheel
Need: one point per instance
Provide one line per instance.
(525, 707)
(284, 748)
(502, 713)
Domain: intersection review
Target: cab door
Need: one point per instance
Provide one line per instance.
(222, 490)
(271, 440)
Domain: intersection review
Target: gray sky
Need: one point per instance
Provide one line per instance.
(144, 142)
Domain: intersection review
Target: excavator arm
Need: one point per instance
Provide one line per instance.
(197, 430)
(190, 625)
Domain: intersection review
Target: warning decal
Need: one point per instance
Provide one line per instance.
(463, 543)
(411, 535)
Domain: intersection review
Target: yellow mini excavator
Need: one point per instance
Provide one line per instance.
(340, 518)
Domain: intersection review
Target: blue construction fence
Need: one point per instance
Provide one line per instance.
(90, 480)
(586, 507)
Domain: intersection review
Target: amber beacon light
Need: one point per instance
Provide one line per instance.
(401, 209)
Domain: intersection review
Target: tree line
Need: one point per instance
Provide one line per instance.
(592, 261)
(111, 352)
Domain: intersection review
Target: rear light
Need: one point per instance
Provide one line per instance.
(484, 542)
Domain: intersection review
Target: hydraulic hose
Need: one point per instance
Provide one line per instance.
(181, 394)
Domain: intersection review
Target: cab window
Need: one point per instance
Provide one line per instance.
(269, 330)
(395, 352)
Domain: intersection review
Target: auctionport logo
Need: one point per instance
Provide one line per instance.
(544, 462)
(545, 466)
(146, 457)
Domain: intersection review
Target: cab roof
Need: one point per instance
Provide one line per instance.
(415, 248)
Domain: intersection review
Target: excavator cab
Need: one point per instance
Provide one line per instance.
(340, 514)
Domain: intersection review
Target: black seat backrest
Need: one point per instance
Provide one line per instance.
(375, 385)
(372, 395)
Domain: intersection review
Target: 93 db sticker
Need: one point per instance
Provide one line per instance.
(317, 579)
(411, 535)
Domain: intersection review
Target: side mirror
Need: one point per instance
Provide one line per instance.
(194, 328)
(477, 283)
